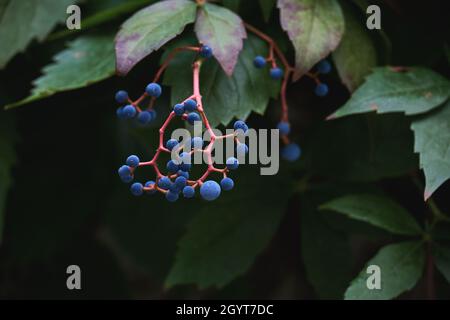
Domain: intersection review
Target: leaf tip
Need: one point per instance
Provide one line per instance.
(399, 68)
(121, 73)
(373, 107)
(331, 117)
(297, 75)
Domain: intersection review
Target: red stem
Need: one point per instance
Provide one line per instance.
(198, 98)
(288, 69)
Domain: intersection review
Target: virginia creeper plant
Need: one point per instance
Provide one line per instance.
(364, 124)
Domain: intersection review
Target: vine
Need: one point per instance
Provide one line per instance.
(177, 180)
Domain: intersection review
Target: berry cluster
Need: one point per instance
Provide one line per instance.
(177, 181)
(291, 151)
(132, 110)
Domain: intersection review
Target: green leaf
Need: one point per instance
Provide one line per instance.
(267, 8)
(87, 60)
(413, 91)
(447, 52)
(328, 191)
(315, 28)
(223, 31)
(363, 148)
(149, 233)
(432, 142)
(8, 137)
(225, 97)
(377, 210)
(322, 247)
(356, 54)
(102, 15)
(25, 20)
(149, 29)
(382, 42)
(441, 257)
(222, 243)
(401, 266)
(441, 232)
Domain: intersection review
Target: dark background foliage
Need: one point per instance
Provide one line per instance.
(67, 206)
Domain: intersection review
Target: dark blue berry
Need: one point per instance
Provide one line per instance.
(240, 125)
(150, 184)
(121, 96)
(183, 174)
(125, 174)
(172, 196)
(181, 181)
(193, 117)
(197, 143)
(185, 157)
(232, 163)
(126, 179)
(172, 167)
(120, 114)
(324, 67)
(210, 190)
(137, 189)
(284, 128)
(124, 171)
(178, 109)
(185, 160)
(227, 184)
(153, 90)
(153, 113)
(291, 152)
(164, 183)
(188, 192)
(144, 117)
(276, 73)
(171, 143)
(190, 105)
(321, 90)
(129, 111)
(206, 52)
(259, 62)
(133, 161)
(185, 167)
(242, 149)
(175, 188)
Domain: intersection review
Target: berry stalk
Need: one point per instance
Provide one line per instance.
(178, 168)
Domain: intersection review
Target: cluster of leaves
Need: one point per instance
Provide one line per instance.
(393, 114)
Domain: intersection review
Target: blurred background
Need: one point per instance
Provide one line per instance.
(63, 203)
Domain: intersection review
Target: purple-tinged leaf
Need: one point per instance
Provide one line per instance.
(223, 31)
(23, 21)
(315, 28)
(149, 29)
